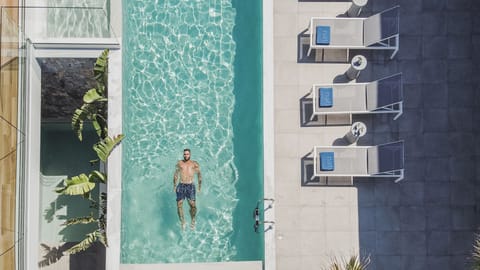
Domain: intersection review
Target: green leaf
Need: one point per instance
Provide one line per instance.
(100, 69)
(80, 115)
(102, 237)
(476, 253)
(84, 244)
(97, 175)
(100, 125)
(355, 262)
(97, 126)
(80, 220)
(77, 185)
(101, 88)
(93, 161)
(77, 122)
(105, 147)
(92, 96)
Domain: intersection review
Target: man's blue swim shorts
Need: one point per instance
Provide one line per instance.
(186, 191)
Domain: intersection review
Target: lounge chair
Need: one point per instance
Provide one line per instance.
(377, 32)
(385, 160)
(381, 96)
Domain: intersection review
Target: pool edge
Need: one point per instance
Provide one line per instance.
(268, 130)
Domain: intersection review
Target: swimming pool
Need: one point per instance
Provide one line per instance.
(192, 79)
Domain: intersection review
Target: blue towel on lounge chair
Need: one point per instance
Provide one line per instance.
(323, 35)
(325, 97)
(327, 162)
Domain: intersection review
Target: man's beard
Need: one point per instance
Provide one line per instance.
(186, 159)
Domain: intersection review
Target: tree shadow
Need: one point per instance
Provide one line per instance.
(52, 254)
(93, 258)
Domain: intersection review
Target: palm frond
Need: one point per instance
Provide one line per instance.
(78, 118)
(92, 96)
(84, 244)
(105, 147)
(476, 253)
(100, 125)
(77, 185)
(100, 69)
(80, 220)
(102, 237)
(355, 262)
(97, 176)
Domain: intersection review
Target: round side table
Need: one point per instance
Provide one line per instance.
(357, 130)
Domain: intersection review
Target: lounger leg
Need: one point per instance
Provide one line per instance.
(400, 177)
(396, 47)
(400, 111)
(309, 51)
(394, 53)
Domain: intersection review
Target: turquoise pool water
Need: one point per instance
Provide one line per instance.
(192, 79)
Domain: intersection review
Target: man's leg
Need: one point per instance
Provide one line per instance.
(180, 213)
(193, 212)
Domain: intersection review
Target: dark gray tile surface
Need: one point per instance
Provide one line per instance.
(428, 221)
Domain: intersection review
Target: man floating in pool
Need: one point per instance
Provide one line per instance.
(187, 169)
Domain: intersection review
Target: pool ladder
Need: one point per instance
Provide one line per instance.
(256, 215)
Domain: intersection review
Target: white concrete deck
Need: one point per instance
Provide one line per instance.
(313, 224)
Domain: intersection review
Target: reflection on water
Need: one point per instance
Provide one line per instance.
(178, 93)
(82, 19)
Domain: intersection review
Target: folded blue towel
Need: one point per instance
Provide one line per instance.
(327, 162)
(325, 97)
(323, 35)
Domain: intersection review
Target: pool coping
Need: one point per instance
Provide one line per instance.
(268, 131)
(114, 168)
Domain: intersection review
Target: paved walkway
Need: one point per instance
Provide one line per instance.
(428, 220)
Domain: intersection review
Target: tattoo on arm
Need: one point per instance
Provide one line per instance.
(199, 175)
(175, 175)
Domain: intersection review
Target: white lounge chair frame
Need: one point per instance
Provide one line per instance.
(361, 161)
(360, 98)
(358, 33)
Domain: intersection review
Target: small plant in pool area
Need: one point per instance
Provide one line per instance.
(355, 262)
(94, 110)
(476, 253)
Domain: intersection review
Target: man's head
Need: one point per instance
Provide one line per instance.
(186, 154)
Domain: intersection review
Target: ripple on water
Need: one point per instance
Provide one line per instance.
(178, 93)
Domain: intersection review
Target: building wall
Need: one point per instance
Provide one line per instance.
(8, 138)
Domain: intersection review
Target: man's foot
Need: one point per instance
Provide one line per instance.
(192, 225)
(183, 226)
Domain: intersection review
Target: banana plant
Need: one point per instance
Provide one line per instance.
(82, 185)
(104, 147)
(95, 100)
(99, 234)
(94, 109)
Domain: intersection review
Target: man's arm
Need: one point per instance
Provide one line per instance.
(175, 176)
(199, 175)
